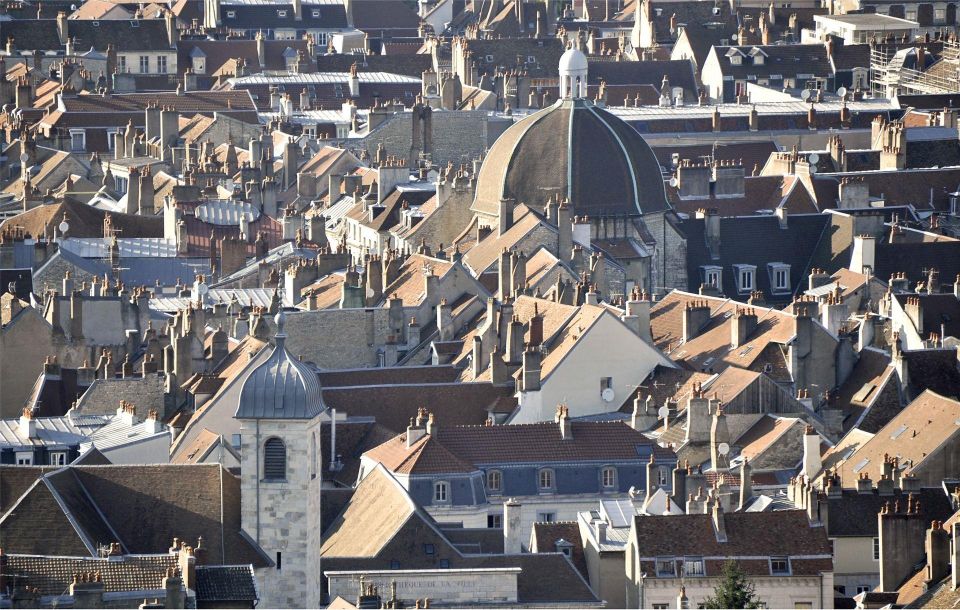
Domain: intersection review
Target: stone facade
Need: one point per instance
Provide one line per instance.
(276, 513)
(446, 587)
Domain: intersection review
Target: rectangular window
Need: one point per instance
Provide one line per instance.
(546, 479)
(663, 476)
(693, 566)
(661, 606)
(161, 64)
(608, 478)
(444, 564)
(746, 280)
(78, 140)
(440, 492)
(940, 15)
(779, 565)
(713, 278)
(495, 521)
(394, 564)
(666, 567)
(58, 458)
(546, 517)
(862, 589)
(120, 184)
(24, 459)
(235, 441)
(279, 559)
(781, 280)
(123, 63)
(111, 139)
(876, 549)
(428, 549)
(494, 481)
(144, 64)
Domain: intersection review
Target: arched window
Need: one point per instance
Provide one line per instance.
(494, 481)
(274, 459)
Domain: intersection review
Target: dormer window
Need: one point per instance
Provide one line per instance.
(545, 480)
(711, 275)
(315, 13)
(745, 276)
(666, 567)
(780, 566)
(231, 14)
(441, 492)
(494, 481)
(758, 59)
(779, 277)
(736, 60)
(282, 14)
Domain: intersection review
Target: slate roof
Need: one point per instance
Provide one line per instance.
(785, 60)
(84, 220)
(546, 536)
(756, 240)
(226, 584)
(267, 15)
(854, 514)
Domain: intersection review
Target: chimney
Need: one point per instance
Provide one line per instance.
(728, 179)
(955, 560)
(864, 484)
(679, 489)
(901, 542)
(742, 323)
(719, 441)
(818, 278)
(696, 315)
(698, 416)
(87, 588)
(693, 180)
(914, 310)
(644, 414)
(530, 376)
(562, 418)
(651, 485)
(512, 530)
(63, 27)
(416, 430)
(28, 425)
(564, 232)
(719, 527)
(746, 484)
(637, 315)
(506, 215)
(811, 453)
(863, 259)
(503, 275)
(938, 553)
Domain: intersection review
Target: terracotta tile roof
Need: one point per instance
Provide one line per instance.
(410, 284)
(765, 433)
(916, 432)
(561, 345)
(197, 451)
(749, 534)
(53, 575)
(484, 255)
(84, 220)
(866, 381)
(666, 322)
(425, 456)
(544, 539)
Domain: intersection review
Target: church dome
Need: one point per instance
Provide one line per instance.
(573, 149)
(283, 387)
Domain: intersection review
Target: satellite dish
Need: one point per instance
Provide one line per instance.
(24, 158)
(814, 158)
(673, 181)
(842, 92)
(203, 289)
(607, 394)
(723, 449)
(812, 169)
(370, 293)
(664, 412)
(805, 94)
(64, 227)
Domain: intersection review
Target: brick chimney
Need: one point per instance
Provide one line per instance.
(937, 548)
(27, 428)
(742, 324)
(914, 310)
(746, 484)
(698, 416)
(719, 526)
(416, 430)
(651, 478)
(811, 453)
(87, 589)
(531, 367)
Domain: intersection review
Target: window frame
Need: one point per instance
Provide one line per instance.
(662, 562)
(494, 520)
(74, 132)
(742, 272)
(546, 517)
(712, 271)
(24, 458)
(144, 62)
(162, 64)
(494, 474)
(610, 485)
(268, 475)
(57, 458)
(876, 549)
(694, 561)
(552, 480)
(441, 492)
(785, 559)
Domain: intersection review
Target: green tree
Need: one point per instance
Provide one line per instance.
(733, 590)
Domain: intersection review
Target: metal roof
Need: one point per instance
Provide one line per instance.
(246, 297)
(226, 212)
(283, 387)
(644, 113)
(99, 247)
(322, 78)
(51, 432)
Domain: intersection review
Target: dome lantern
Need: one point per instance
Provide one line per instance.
(573, 74)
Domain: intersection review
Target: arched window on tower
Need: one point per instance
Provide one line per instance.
(274, 459)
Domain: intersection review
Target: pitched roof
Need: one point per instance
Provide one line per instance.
(915, 433)
(749, 534)
(84, 220)
(425, 456)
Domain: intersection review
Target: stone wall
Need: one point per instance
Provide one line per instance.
(447, 587)
(24, 344)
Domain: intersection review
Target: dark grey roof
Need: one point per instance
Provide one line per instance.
(226, 584)
(854, 514)
(283, 387)
(136, 271)
(272, 16)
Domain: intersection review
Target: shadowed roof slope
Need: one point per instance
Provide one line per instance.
(573, 149)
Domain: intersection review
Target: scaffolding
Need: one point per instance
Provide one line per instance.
(889, 75)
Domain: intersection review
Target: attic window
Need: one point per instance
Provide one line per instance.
(745, 277)
(315, 13)
(861, 465)
(489, 59)
(736, 60)
(134, 24)
(896, 433)
(282, 13)
(231, 14)
(95, 24)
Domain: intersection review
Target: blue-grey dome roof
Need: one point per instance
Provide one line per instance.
(283, 387)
